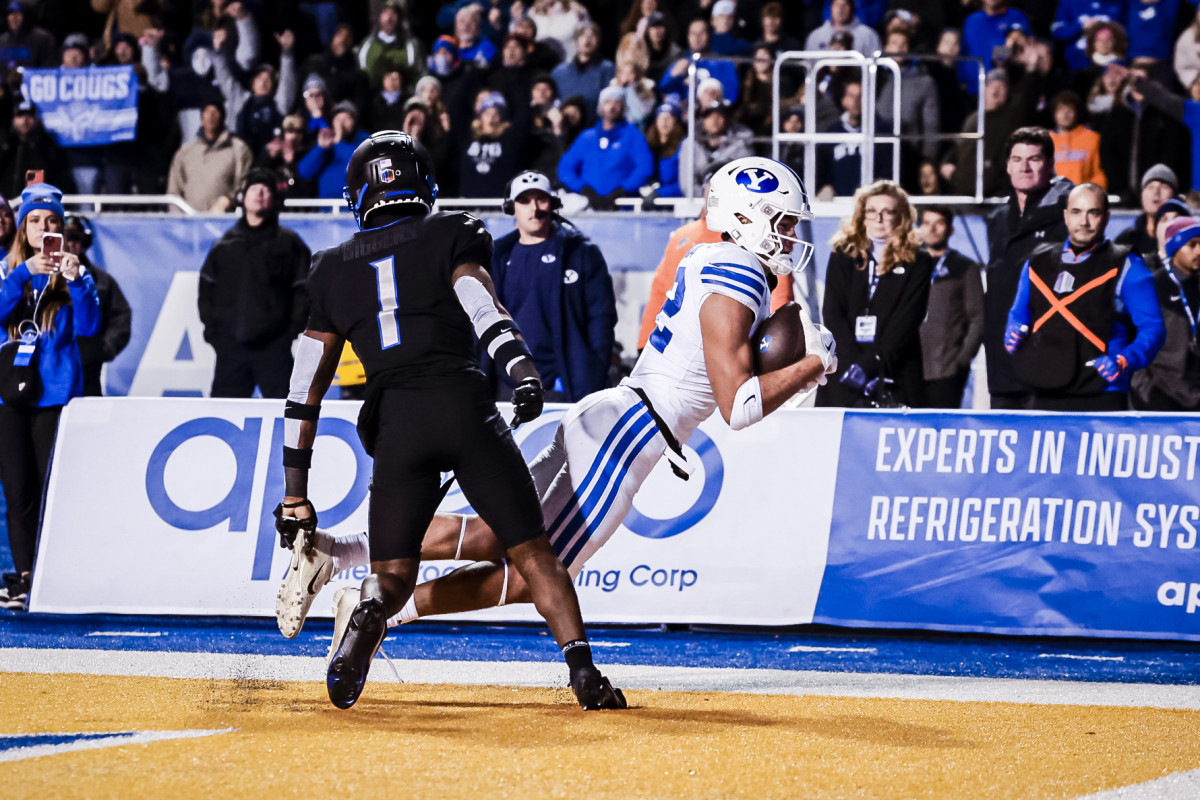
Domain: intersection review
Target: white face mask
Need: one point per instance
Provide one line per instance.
(201, 61)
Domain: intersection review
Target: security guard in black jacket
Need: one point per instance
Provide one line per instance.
(253, 302)
(1033, 216)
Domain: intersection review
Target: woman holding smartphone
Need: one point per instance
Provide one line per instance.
(44, 295)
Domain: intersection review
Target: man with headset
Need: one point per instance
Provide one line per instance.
(253, 302)
(556, 285)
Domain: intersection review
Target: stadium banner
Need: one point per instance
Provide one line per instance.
(85, 105)
(175, 497)
(1015, 523)
(1023, 523)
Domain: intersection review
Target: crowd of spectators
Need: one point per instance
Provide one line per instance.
(493, 87)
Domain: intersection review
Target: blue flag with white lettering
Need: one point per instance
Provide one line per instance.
(85, 105)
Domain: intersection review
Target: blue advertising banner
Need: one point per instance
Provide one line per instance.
(1016, 523)
(85, 105)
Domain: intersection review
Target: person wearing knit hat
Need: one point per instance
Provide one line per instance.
(326, 163)
(1159, 184)
(1171, 382)
(1081, 356)
(609, 160)
(252, 299)
(48, 300)
(41, 196)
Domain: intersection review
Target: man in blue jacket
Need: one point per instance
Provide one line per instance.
(983, 32)
(609, 160)
(1086, 315)
(556, 285)
(326, 163)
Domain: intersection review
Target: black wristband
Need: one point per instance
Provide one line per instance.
(510, 353)
(301, 411)
(298, 458)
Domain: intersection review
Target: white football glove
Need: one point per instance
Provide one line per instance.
(818, 341)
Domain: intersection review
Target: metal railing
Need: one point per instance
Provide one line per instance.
(813, 61)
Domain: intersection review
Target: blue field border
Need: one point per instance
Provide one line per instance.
(807, 649)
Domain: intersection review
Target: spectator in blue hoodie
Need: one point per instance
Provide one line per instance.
(326, 163)
(1076, 19)
(699, 38)
(983, 32)
(609, 160)
(588, 72)
(1151, 25)
(52, 299)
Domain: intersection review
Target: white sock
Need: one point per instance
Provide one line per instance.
(349, 551)
(406, 614)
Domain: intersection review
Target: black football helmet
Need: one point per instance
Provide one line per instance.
(389, 169)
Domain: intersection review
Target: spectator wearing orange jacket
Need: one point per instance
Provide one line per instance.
(682, 240)
(1076, 148)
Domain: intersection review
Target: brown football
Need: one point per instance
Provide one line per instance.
(779, 340)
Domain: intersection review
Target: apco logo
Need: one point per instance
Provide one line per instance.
(244, 441)
(757, 180)
(1173, 593)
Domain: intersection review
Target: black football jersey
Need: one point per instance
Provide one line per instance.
(388, 291)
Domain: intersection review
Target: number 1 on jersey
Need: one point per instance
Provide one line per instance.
(385, 282)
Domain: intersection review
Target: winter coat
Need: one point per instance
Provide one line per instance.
(899, 304)
(953, 326)
(1012, 237)
(607, 160)
(253, 286)
(207, 174)
(58, 363)
(1175, 371)
(327, 165)
(584, 317)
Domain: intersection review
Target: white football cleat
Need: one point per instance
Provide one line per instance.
(344, 602)
(307, 574)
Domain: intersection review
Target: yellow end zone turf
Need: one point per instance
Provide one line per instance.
(451, 741)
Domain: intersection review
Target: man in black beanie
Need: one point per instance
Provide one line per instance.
(253, 302)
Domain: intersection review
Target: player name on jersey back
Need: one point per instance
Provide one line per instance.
(388, 290)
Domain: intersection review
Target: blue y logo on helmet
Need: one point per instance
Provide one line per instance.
(757, 180)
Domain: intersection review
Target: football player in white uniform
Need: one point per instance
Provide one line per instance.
(698, 359)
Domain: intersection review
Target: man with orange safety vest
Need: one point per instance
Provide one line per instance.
(1086, 314)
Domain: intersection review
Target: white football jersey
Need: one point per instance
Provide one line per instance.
(671, 370)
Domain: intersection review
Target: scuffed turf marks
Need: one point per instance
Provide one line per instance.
(471, 741)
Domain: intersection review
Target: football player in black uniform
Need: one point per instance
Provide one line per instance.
(410, 293)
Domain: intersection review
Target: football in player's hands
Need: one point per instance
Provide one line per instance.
(779, 340)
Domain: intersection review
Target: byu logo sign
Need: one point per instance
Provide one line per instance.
(757, 179)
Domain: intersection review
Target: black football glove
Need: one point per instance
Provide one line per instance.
(527, 400)
(289, 527)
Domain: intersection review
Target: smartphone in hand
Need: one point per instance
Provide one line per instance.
(52, 245)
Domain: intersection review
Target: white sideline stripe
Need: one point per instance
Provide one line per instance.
(551, 674)
(116, 739)
(805, 648)
(1081, 658)
(1177, 786)
(145, 634)
(609, 644)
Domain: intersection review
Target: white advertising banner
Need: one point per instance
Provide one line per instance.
(163, 506)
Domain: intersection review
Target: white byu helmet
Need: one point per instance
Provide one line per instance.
(747, 199)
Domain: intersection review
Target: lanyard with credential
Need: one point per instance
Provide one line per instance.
(1187, 309)
(872, 277)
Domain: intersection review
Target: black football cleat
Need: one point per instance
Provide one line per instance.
(360, 642)
(594, 692)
